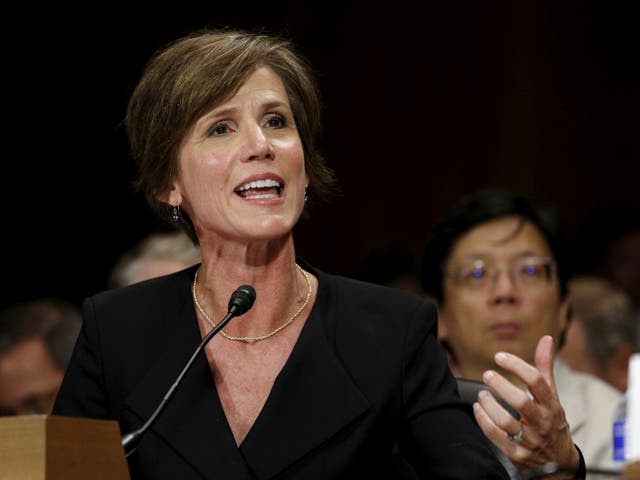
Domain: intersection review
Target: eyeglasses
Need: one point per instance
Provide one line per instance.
(528, 271)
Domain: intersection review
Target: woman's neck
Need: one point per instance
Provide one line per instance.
(281, 288)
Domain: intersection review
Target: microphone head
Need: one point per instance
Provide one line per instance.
(242, 299)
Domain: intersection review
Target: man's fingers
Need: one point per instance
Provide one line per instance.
(544, 358)
(488, 426)
(517, 452)
(498, 414)
(539, 384)
(517, 398)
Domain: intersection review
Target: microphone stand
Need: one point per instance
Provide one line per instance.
(241, 301)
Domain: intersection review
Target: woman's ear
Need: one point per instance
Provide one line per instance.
(172, 197)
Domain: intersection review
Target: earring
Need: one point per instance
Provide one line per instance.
(306, 195)
(175, 214)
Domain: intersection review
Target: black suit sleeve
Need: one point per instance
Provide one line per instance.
(434, 410)
(82, 393)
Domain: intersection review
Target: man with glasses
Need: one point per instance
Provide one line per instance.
(497, 267)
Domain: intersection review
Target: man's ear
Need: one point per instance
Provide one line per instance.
(444, 341)
(442, 324)
(564, 317)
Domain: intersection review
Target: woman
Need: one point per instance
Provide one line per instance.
(324, 376)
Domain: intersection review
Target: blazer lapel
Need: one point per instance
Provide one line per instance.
(285, 430)
(193, 422)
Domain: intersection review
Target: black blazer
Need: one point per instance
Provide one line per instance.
(366, 374)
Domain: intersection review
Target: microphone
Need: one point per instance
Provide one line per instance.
(240, 302)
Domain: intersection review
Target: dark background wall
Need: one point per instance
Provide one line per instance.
(422, 104)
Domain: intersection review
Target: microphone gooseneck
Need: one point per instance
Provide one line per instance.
(240, 302)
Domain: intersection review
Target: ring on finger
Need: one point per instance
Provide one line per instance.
(516, 437)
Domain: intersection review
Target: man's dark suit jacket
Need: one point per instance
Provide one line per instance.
(366, 374)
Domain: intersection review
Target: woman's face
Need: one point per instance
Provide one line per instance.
(241, 166)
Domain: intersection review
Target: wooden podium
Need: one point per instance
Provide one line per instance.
(35, 447)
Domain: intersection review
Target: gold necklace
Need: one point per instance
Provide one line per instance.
(261, 337)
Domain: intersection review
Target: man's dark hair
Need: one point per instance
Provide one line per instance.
(483, 206)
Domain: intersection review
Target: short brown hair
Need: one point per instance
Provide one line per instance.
(193, 74)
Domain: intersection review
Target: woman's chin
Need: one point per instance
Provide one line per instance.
(269, 230)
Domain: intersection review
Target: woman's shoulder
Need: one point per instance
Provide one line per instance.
(365, 317)
(359, 303)
(163, 293)
(360, 292)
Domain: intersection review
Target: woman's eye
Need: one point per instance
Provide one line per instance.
(218, 129)
(276, 121)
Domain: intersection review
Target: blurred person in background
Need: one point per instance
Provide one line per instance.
(603, 333)
(36, 340)
(157, 254)
(609, 247)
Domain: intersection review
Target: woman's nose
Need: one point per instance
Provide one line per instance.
(258, 145)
